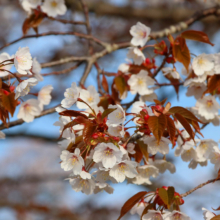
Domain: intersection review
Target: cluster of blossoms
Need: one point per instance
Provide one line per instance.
(25, 66)
(97, 148)
(50, 7)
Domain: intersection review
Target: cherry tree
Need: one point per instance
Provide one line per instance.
(105, 140)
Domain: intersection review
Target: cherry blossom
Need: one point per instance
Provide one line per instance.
(83, 182)
(139, 207)
(44, 95)
(116, 117)
(54, 7)
(136, 55)
(90, 96)
(130, 148)
(116, 130)
(25, 86)
(28, 110)
(196, 89)
(139, 83)
(154, 147)
(202, 63)
(140, 34)
(36, 69)
(72, 161)
(71, 95)
(23, 60)
(100, 187)
(171, 72)
(207, 214)
(6, 65)
(108, 154)
(123, 169)
(208, 107)
(30, 4)
(177, 215)
(163, 165)
(215, 157)
(152, 215)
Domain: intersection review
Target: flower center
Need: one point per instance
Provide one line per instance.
(74, 160)
(54, 4)
(142, 34)
(122, 167)
(21, 59)
(209, 103)
(27, 107)
(140, 82)
(201, 61)
(90, 99)
(108, 152)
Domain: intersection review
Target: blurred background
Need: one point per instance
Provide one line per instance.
(32, 185)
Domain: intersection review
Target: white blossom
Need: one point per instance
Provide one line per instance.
(117, 116)
(83, 182)
(2, 135)
(54, 7)
(23, 60)
(176, 215)
(152, 215)
(116, 130)
(171, 72)
(5, 66)
(28, 110)
(208, 107)
(100, 187)
(207, 214)
(163, 165)
(72, 161)
(124, 68)
(24, 87)
(196, 89)
(44, 95)
(139, 207)
(140, 34)
(108, 154)
(71, 95)
(123, 169)
(214, 157)
(136, 55)
(154, 147)
(130, 148)
(202, 63)
(90, 96)
(36, 69)
(139, 83)
(27, 5)
(148, 97)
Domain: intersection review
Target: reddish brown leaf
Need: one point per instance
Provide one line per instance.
(181, 52)
(217, 209)
(163, 195)
(217, 217)
(9, 102)
(115, 93)
(170, 193)
(120, 84)
(150, 206)
(157, 125)
(131, 202)
(184, 112)
(185, 124)
(68, 125)
(171, 129)
(158, 102)
(72, 113)
(88, 131)
(143, 148)
(197, 36)
(213, 84)
(105, 83)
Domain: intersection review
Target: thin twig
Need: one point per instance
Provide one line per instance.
(67, 21)
(199, 186)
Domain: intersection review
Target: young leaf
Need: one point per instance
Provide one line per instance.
(184, 112)
(131, 202)
(185, 124)
(120, 84)
(143, 148)
(181, 52)
(164, 196)
(9, 102)
(197, 36)
(157, 125)
(217, 209)
(213, 84)
(88, 131)
(171, 129)
(217, 217)
(105, 83)
(150, 206)
(72, 113)
(170, 193)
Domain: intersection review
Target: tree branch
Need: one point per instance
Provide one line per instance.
(20, 121)
(198, 187)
